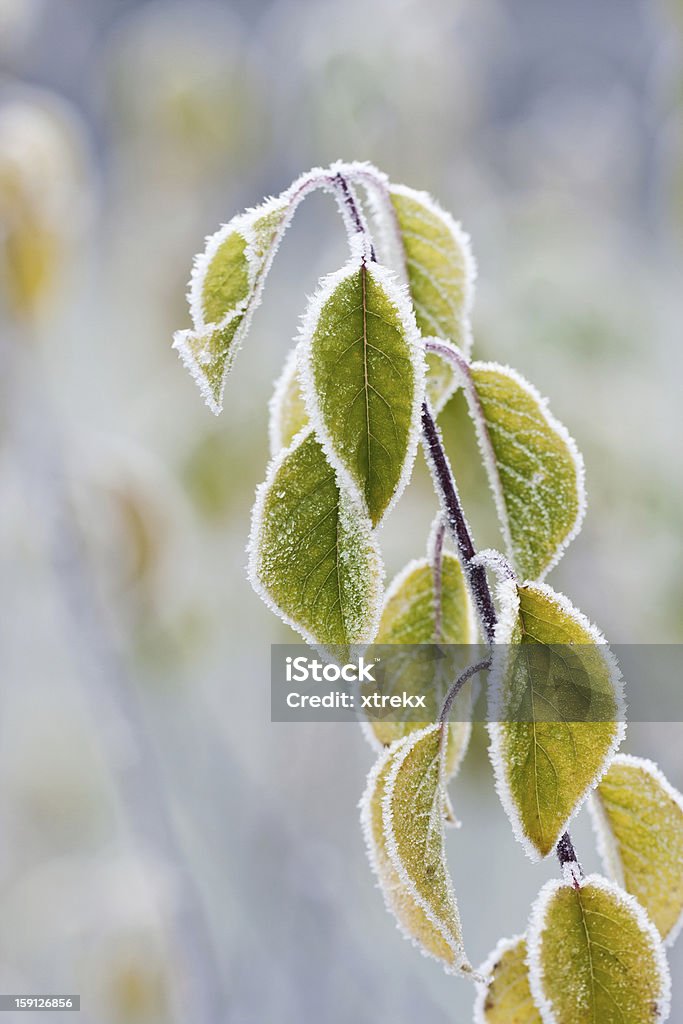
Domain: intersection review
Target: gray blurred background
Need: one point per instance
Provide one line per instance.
(160, 840)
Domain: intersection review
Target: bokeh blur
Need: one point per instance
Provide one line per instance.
(162, 844)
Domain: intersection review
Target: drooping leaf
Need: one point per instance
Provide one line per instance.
(638, 818)
(287, 408)
(312, 555)
(365, 380)
(505, 996)
(403, 822)
(225, 289)
(595, 956)
(439, 265)
(534, 468)
(409, 618)
(411, 918)
(555, 709)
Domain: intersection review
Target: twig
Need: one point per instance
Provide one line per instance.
(457, 686)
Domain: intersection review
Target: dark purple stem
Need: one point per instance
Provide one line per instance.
(457, 523)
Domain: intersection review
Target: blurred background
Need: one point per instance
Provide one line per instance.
(161, 842)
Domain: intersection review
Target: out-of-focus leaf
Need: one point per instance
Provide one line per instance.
(505, 996)
(365, 380)
(638, 817)
(594, 956)
(312, 556)
(555, 709)
(43, 196)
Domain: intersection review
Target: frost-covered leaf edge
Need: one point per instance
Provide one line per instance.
(607, 846)
(242, 223)
(537, 924)
(509, 605)
(462, 965)
(502, 947)
(252, 550)
(489, 459)
(398, 297)
(392, 238)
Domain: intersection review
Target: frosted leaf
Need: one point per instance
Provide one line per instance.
(638, 819)
(505, 997)
(594, 955)
(312, 555)
(402, 813)
(364, 380)
(534, 468)
(408, 617)
(225, 288)
(547, 759)
(439, 265)
(287, 408)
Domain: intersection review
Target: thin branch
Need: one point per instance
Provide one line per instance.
(437, 541)
(457, 686)
(457, 523)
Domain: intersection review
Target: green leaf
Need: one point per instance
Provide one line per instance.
(365, 380)
(402, 812)
(594, 956)
(225, 289)
(312, 555)
(287, 408)
(638, 818)
(408, 617)
(505, 997)
(534, 468)
(439, 266)
(555, 710)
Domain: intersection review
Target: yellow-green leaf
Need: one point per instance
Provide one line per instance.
(402, 812)
(225, 288)
(439, 266)
(555, 709)
(595, 957)
(534, 468)
(287, 408)
(312, 555)
(411, 918)
(638, 817)
(365, 380)
(409, 617)
(505, 996)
